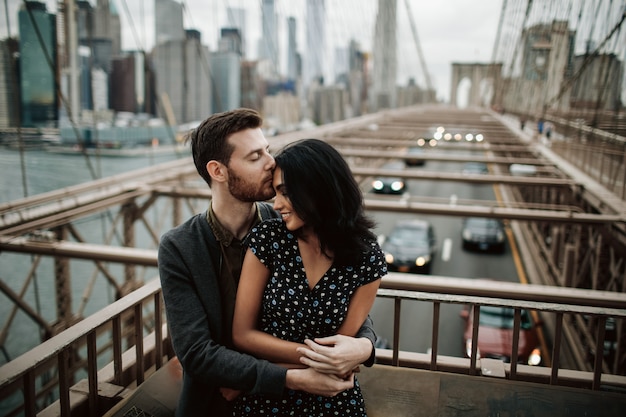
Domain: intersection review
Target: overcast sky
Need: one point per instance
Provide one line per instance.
(448, 30)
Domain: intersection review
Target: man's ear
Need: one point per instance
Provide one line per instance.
(216, 170)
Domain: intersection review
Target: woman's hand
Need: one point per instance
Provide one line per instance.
(340, 355)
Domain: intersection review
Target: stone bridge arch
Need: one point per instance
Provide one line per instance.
(482, 77)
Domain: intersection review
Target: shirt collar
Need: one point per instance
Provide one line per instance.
(221, 233)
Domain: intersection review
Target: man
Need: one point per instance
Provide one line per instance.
(200, 263)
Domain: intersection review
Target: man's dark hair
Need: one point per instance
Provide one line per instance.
(325, 195)
(209, 141)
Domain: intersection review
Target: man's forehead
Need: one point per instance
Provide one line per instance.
(247, 140)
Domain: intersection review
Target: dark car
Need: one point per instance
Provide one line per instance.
(388, 185)
(483, 233)
(410, 247)
(471, 168)
(495, 335)
(415, 156)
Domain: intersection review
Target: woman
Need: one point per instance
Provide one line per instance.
(313, 273)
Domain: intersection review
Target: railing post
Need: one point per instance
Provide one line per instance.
(139, 362)
(435, 337)
(92, 373)
(599, 358)
(556, 348)
(64, 385)
(476, 320)
(396, 331)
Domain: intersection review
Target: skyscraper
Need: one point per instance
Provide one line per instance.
(268, 45)
(236, 18)
(226, 73)
(9, 91)
(315, 41)
(183, 87)
(382, 94)
(168, 21)
(37, 65)
(292, 49)
(106, 25)
(230, 41)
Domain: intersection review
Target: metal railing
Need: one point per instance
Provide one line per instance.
(147, 344)
(128, 339)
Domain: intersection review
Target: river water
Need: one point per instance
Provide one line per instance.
(38, 171)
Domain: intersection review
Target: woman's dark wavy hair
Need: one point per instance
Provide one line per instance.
(322, 190)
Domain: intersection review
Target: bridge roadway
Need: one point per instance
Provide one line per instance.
(569, 227)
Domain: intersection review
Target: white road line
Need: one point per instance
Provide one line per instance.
(453, 199)
(446, 249)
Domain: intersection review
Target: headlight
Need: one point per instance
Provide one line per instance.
(378, 185)
(468, 349)
(397, 185)
(389, 258)
(467, 235)
(535, 357)
(422, 260)
(500, 236)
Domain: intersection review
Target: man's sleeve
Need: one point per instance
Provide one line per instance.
(191, 322)
(367, 331)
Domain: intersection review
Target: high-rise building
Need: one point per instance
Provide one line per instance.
(132, 84)
(236, 18)
(268, 45)
(226, 73)
(107, 25)
(230, 41)
(37, 65)
(183, 83)
(315, 42)
(383, 90)
(9, 91)
(197, 104)
(292, 49)
(168, 21)
(250, 86)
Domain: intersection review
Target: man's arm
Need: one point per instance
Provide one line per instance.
(194, 317)
(317, 383)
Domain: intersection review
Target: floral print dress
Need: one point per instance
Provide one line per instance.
(292, 311)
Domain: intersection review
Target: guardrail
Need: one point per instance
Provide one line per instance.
(101, 337)
(118, 338)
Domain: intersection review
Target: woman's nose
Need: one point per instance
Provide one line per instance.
(277, 202)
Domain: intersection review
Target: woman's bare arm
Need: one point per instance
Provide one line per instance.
(246, 336)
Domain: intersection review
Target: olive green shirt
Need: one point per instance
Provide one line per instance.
(231, 259)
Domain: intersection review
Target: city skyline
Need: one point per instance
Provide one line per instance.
(346, 20)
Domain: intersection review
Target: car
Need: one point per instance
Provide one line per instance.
(471, 168)
(495, 334)
(415, 156)
(483, 234)
(410, 247)
(388, 185)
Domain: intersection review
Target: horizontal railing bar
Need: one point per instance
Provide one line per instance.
(93, 252)
(494, 301)
(552, 296)
(53, 346)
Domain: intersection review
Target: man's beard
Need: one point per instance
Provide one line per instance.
(244, 191)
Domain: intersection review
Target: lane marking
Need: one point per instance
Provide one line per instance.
(446, 249)
(453, 200)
